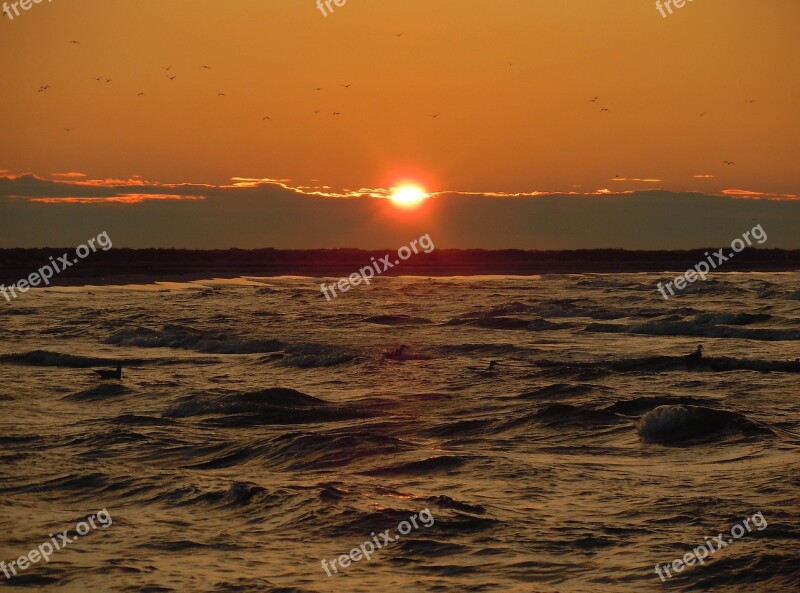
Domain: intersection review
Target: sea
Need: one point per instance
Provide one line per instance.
(263, 439)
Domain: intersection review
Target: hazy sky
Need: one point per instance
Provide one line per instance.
(510, 82)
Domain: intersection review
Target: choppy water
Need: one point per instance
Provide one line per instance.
(259, 429)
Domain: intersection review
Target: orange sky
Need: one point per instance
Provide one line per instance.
(509, 81)
(528, 126)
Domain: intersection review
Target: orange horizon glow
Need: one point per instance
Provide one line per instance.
(481, 107)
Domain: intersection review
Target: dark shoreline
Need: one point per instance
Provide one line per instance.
(142, 266)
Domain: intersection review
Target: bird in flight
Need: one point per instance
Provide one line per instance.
(140, 95)
(43, 88)
(99, 78)
(266, 117)
(435, 115)
(347, 86)
(729, 162)
(316, 111)
(398, 35)
(603, 109)
(594, 100)
(75, 42)
(319, 88)
(167, 68)
(171, 77)
(108, 80)
(750, 100)
(206, 67)
(703, 114)
(67, 129)
(220, 94)
(337, 113)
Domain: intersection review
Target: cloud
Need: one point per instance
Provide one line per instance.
(703, 176)
(637, 179)
(84, 191)
(119, 199)
(68, 175)
(253, 213)
(757, 195)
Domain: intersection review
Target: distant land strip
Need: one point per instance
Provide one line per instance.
(123, 266)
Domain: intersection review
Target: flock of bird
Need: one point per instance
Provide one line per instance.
(172, 77)
(596, 100)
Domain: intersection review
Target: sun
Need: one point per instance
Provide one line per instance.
(408, 196)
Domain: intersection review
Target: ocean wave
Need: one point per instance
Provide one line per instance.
(640, 405)
(309, 451)
(460, 428)
(731, 318)
(510, 323)
(138, 420)
(397, 320)
(495, 349)
(276, 405)
(565, 307)
(450, 503)
(426, 549)
(240, 585)
(577, 371)
(316, 355)
(187, 338)
(235, 496)
(17, 311)
(679, 423)
(46, 358)
(708, 363)
(100, 393)
(238, 403)
(695, 329)
(716, 287)
(442, 463)
(559, 390)
(87, 486)
(660, 364)
(305, 451)
(308, 361)
(566, 415)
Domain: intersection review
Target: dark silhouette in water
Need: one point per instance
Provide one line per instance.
(402, 353)
(697, 354)
(486, 372)
(397, 353)
(111, 374)
(695, 357)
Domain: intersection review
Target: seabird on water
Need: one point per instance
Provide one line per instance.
(111, 374)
